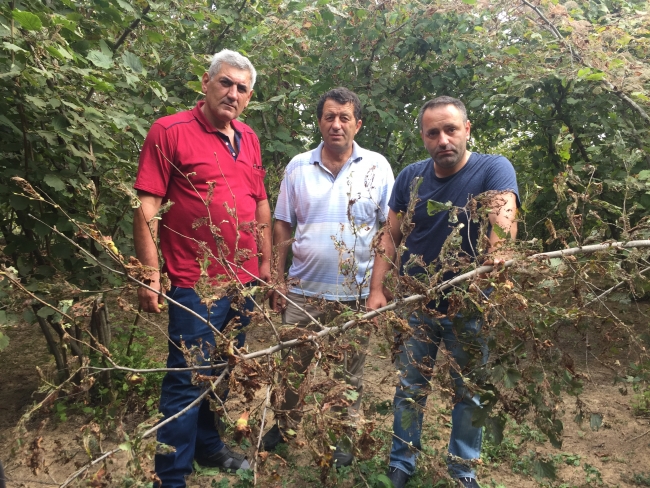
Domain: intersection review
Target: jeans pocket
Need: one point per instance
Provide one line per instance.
(172, 292)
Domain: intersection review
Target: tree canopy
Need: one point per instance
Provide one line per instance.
(560, 88)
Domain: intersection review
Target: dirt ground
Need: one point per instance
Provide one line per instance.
(610, 456)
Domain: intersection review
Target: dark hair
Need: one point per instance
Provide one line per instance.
(343, 96)
(442, 101)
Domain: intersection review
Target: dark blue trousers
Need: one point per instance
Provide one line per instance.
(195, 430)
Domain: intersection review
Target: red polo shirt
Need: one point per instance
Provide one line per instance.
(186, 144)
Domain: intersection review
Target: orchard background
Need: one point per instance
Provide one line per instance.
(560, 88)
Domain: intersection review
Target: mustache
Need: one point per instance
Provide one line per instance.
(448, 147)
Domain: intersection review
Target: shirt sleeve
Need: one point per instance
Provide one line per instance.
(399, 198)
(284, 209)
(389, 181)
(502, 177)
(154, 168)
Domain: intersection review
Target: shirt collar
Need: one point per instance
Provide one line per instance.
(355, 157)
(205, 123)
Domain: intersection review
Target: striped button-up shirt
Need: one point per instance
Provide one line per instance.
(335, 220)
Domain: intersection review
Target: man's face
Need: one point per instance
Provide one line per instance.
(445, 137)
(338, 126)
(227, 94)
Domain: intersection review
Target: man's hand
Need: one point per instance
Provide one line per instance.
(498, 267)
(150, 301)
(265, 272)
(376, 300)
(277, 302)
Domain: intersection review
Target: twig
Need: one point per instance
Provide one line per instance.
(196, 402)
(607, 84)
(554, 30)
(259, 439)
(416, 298)
(639, 436)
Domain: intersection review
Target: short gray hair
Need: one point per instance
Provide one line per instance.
(234, 59)
(441, 102)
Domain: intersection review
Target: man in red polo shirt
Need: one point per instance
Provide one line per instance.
(206, 168)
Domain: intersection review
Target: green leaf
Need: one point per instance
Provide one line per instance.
(512, 50)
(511, 378)
(196, 86)
(494, 426)
(12, 47)
(434, 207)
(100, 59)
(8, 123)
(408, 417)
(501, 234)
(283, 134)
(544, 469)
(55, 182)
(595, 421)
(4, 341)
(470, 2)
(595, 76)
(28, 316)
(352, 395)
(155, 37)
(27, 20)
(60, 123)
(126, 6)
(36, 101)
(45, 312)
(131, 61)
(382, 478)
(92, 114)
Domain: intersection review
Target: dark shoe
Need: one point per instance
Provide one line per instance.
(273, 437)
(342, 458)
(224, 459)
(468, 482)
(397, 477)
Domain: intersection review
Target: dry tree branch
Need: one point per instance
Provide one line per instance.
(392, 306)
(147, 433)
(578, 58)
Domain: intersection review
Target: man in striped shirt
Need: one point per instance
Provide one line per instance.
(335, 199)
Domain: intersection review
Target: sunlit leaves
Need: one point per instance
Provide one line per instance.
(12, 47)
(27, 20)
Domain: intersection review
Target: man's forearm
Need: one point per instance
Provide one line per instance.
(503, 213)
(145, 229)
(385, 257)
(384, 262)
(281, 234)
(263, 217)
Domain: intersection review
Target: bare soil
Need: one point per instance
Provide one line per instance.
(613, 455)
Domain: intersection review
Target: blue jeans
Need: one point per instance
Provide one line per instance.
(195, 430)
(469, 350)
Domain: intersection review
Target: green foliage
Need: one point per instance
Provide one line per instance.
(641, 402)
(642, 479)
(83, 80)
